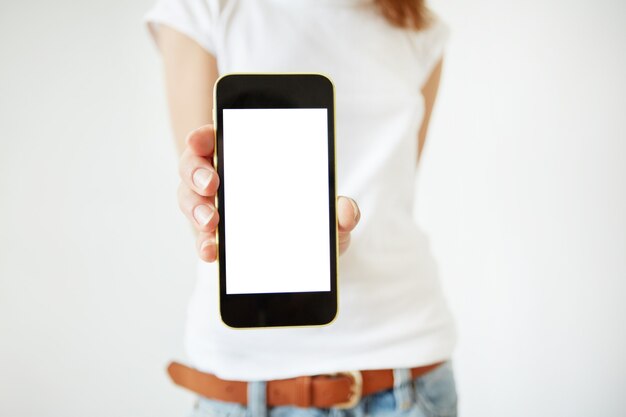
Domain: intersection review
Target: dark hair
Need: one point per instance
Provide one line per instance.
(410, 14)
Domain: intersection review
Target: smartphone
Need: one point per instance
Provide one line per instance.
(277, 234)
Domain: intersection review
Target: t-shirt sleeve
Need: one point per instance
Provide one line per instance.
(193, 18)
(430, 44)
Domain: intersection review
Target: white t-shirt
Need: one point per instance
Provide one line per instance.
(392, 312)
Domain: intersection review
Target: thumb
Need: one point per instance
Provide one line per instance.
(348, 214)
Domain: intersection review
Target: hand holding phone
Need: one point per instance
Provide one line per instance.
(194, 194)
(253, 296)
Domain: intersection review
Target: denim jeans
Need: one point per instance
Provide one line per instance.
(431, 395)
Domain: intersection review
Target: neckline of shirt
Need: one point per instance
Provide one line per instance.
(325, 2)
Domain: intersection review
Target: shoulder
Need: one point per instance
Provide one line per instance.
(430, 43)
(197, 19)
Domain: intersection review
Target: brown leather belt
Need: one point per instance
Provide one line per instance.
(341, 390)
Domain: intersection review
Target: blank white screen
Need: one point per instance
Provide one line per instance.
(276, 200)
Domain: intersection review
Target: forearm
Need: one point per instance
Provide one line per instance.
(190, 73)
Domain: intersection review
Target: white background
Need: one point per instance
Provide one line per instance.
(523, 189)
(253, 142)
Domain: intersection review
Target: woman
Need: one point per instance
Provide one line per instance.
(394, 334)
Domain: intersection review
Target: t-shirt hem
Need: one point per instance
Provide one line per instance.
(223, 365)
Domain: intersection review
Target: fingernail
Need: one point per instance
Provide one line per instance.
(202, 178)
(203, 214)
(355, 208)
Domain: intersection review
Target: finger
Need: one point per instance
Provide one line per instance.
(348, 214)
(202, 141)
(206, 246)
(198, 174)
(344, 241)
(199, 210)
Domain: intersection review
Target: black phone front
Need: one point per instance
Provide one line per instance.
(277, 234)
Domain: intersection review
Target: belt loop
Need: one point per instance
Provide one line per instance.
(257, 399)
(403, 391)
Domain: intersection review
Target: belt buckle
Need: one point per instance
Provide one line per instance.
(356, 389)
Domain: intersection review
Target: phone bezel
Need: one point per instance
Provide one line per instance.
(250, 91)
